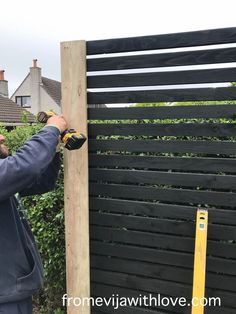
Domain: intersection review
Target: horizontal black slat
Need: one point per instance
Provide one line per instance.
(164, 163)
(186, 39)
(220, 216)
(166, 226)
(157, 286)
(161, 241)
(153, 255)
(164, 272)
(211, 56)
(164, 178)
(164, 112)
(146, 310)
(162, 95)
(162, 78)
(100, 289)
(160, 194)
(106, 290)
(165, 146)
(165, 129)
(127, 310)
(128, 281)
(170, 273)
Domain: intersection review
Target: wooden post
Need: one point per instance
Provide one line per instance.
(74, 108)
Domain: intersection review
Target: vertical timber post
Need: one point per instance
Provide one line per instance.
(74, 108)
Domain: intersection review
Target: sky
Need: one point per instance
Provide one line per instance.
(34, 29)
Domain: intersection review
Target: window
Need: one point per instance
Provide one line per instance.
(23, 101)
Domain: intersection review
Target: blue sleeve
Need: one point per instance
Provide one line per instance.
(17, 172)
(46, 181)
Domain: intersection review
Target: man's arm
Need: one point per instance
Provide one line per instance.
(46, 181)
(19, 171)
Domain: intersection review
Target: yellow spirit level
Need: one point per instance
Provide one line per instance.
(199, 275)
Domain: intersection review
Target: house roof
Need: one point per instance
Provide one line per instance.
(11, 113)
(53, 88)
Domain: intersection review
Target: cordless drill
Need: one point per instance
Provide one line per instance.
(71, 139)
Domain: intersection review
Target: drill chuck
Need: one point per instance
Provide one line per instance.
(43, 117)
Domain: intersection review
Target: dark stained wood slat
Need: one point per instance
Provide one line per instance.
(164, 129)
(164, 163)
(211, 56)
(164, 257)
(186, 39)
(128, 310)
(106, 290)
(157, 286)
(160, 241)
(159, 210)
(162, 146)
(100, 289)
(125, 266)
(169, 195)
(167, 226)
(162, 78)
(164, 112)
(145, 310)
(159, 271)
(164, 178)
(162, 95)
(124, 280)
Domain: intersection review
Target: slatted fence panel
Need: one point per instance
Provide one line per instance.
(152, 167)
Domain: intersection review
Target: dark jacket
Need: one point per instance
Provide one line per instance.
(32, 170)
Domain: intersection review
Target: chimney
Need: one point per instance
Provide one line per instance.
(35, 63)
(3, 85)
(35, 82)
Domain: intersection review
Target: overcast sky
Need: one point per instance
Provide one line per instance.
(34, 29)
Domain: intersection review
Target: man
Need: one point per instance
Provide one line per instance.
(32, 170)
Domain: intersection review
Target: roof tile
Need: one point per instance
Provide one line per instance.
(10, 112)
(53, 88)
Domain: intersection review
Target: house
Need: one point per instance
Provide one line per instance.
(11, 114)
(39, 93)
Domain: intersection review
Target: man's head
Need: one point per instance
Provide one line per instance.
(4, 152)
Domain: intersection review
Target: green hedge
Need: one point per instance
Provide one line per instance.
(46, 216)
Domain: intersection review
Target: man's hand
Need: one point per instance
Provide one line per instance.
(4, 152)
(2, 139)
(58, 121)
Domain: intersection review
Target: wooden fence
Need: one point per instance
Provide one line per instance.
(150, 168)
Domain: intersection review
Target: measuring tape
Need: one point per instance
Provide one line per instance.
(199, 275)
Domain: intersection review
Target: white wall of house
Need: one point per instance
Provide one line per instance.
(23, 89)
(47, 103)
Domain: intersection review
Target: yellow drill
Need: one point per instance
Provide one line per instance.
(71, 139)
